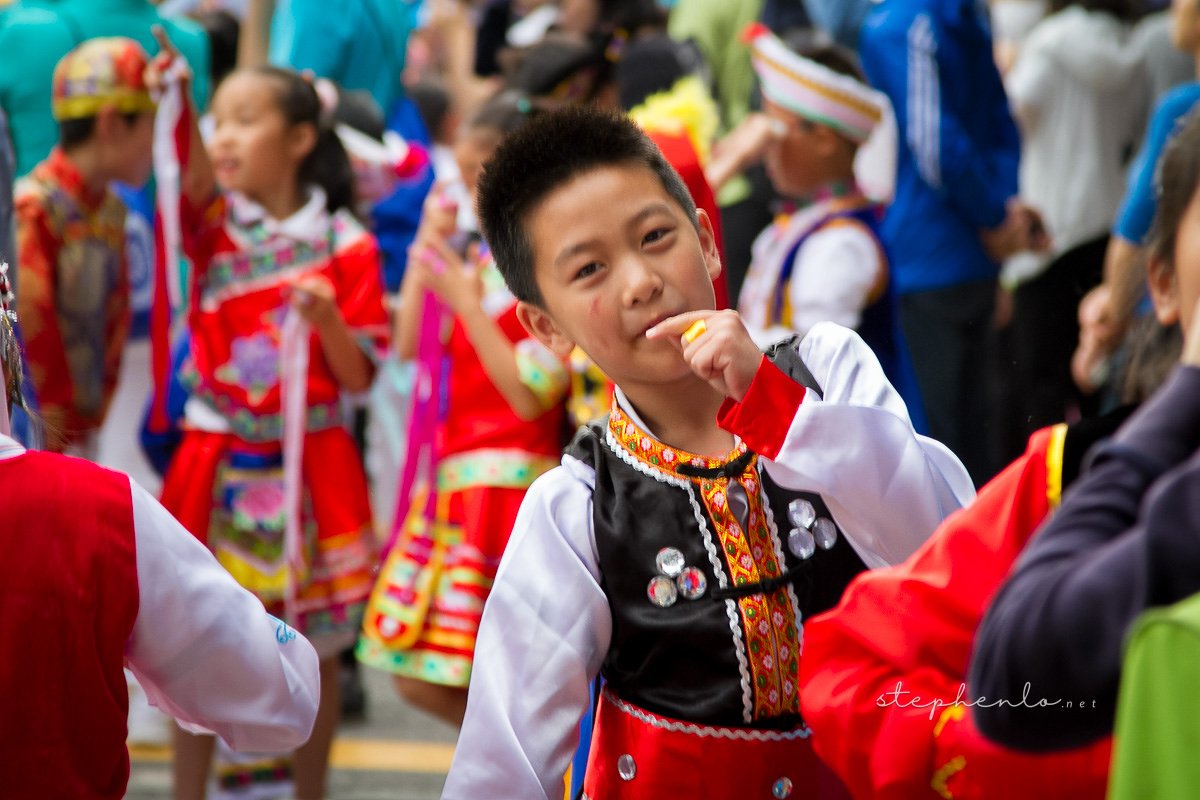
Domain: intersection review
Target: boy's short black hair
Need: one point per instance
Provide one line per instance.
(74, 132)
(546, 153)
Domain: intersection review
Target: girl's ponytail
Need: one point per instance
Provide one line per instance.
(328, 166)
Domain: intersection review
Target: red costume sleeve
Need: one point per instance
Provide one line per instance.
(200, 227)
(881, 672)
(358, 283)
(763, 417)
(37, 313)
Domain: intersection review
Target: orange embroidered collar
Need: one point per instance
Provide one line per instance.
(652, 453)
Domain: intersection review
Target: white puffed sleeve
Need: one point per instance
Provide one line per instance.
(544, 633)
(887, 486)
(206, 651)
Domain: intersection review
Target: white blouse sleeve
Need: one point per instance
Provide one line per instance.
(545, 629)
(1028, 85)
(887, 486)
(833, 275)
(206, 651)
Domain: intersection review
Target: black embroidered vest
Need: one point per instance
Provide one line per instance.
(729, 656)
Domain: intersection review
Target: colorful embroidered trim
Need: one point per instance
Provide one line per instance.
(541, 373)
(653, 453)
(510, 469)
(251, 427)
(241, 270)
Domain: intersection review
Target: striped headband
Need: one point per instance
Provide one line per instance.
(810, 90)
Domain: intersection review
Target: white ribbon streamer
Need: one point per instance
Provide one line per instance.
(167, 171)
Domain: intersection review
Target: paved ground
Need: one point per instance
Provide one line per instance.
(394, 754)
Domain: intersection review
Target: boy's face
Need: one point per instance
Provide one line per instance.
(793, 160)
(133, 144)
(613, 255)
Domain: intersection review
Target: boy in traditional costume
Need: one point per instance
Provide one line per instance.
(70, 231)
(679, 546)
(821, 259)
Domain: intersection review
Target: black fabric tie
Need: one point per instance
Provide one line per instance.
(730, 470)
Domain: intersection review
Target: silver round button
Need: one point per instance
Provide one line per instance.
(626, 767)
(662, 591)
(825, 532)
(801, 513)
(691, 583)
(669, 561)
(781, 789)
(801, 543)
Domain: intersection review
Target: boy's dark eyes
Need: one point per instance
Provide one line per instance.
(587, 270)
(656, 235)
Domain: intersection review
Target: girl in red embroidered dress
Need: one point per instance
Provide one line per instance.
(501, 427)
(285, 311)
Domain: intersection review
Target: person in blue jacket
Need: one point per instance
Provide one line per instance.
(954, 216)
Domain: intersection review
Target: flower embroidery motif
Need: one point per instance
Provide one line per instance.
(253, 364)
(261, 504)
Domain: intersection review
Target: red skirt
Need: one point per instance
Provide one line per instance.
(228, 493)
(424, 614)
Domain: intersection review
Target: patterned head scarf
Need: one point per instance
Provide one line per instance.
(99, 73)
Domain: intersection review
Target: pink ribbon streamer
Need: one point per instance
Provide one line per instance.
(421, 450)
(293, 384)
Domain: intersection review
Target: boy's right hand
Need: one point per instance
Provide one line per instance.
(716, 345)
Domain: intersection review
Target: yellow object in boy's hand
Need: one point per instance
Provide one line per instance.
(695, 331)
